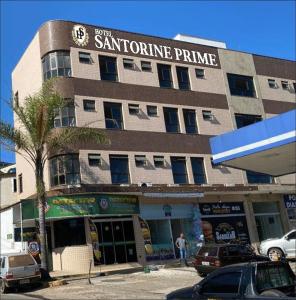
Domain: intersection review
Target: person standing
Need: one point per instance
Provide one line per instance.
(181, 244)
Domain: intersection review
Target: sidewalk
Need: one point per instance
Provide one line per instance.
(102, 270)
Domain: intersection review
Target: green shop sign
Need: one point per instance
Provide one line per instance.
(86, 205)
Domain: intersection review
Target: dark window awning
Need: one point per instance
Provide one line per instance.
(267, 147)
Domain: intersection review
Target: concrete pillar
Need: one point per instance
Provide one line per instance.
(140, 247)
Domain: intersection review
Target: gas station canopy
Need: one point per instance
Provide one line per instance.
(266, 147)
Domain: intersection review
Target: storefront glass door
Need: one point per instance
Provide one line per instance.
(117, 241)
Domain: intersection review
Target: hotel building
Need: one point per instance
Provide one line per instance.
(158, 101)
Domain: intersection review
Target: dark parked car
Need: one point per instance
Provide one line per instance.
(253, 280)
(212, 257)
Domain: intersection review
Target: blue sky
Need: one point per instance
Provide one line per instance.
(261, 27)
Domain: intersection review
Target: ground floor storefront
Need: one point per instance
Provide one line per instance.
(104, 229)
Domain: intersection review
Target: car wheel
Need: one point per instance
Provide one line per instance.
(275, 252)
(3, 287)
(272, 293)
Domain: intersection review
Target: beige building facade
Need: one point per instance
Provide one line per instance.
(158, 101)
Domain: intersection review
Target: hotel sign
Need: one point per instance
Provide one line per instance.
(150, 47)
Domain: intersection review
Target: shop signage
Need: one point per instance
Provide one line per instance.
(119, 42)
(84, 205)
(221, 208)
(225, 229)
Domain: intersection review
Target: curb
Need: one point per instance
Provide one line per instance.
(55, 283)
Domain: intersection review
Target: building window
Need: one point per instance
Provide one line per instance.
(16, 99)
(158, 161)
(146, 66)
(294, 86)
(258, 178)
(113, 115)
(94, 160)
(119, 169)
(179, 170)
(245, 120)
(207, 115)
(133, 109)
(198, 170)
(20, 183)
(14, 185)
(128, 63)
(200, 73)
(272, 83)
(65, 116)
(140, 160)
(89, 105)
(56, 64)
(183, 78)
(190, 120)
(108, 68)
(84, 58)
(285, 85)
(165, 76)
(65, 169)
(241, 85)
(152, 111)
(171, 119)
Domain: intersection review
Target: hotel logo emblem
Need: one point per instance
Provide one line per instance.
(80, 36)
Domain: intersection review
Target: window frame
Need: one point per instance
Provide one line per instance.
(183, 84)
(66, 116)
(244, 118)
(149, 107)
(133, 109)
(59, 163)
(126, 173)
(140, 160)
(189, 128)
(128, 63)
(165, 83)
(94, 162)
(84, 57)
(104, 62)
(195, 173)
(207, 115)
(272, 83)
(200, 76)
(118, 121)
(20, 183)
(85, 101)
(158, 161)
(285, 84)
(144, 64)
(235, 80)
(167, 112)
(185, 174)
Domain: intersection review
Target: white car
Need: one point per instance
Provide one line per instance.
(284, 246)
(17, 269)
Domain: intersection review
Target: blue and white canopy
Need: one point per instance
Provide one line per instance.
(267, 147)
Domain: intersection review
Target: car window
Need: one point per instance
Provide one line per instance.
(292, 236)
(20, 261)
(233, 251)
(227, 283)
(273, 277)
(208, 251)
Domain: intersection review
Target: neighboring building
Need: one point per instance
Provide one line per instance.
(158, 101)
(8, 198)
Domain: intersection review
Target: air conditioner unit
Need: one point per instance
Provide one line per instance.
(145, 184)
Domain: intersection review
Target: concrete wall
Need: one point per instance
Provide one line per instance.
(7, 195)
(101, 174)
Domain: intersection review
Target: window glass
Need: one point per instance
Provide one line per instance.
(272, 83)
(179, 170)
(227, 283)
(128, 63)
(108, 68)
(190, 121)
(208, 251)
(56, 64)
(258, 178)
(146, 66)
(113, 115)
(151, 111)
(84, 57)
(243, 120)
(158, 161)
(261, 207)
(69, 232)
(164, 76)
(119, 169)
(89, 105)
(240, 85)
(183, 78)
(273, 277)
(20, 261)
(198, 170)
(65, 116)
(200, 73)
(171, 119)
(65, 169)
(292, 236)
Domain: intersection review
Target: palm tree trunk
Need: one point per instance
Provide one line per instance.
(40, 188)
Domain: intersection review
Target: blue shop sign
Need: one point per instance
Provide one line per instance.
(290, 201)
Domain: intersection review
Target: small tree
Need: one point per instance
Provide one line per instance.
(34, 139)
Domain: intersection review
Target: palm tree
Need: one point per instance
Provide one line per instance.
(34, 138)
